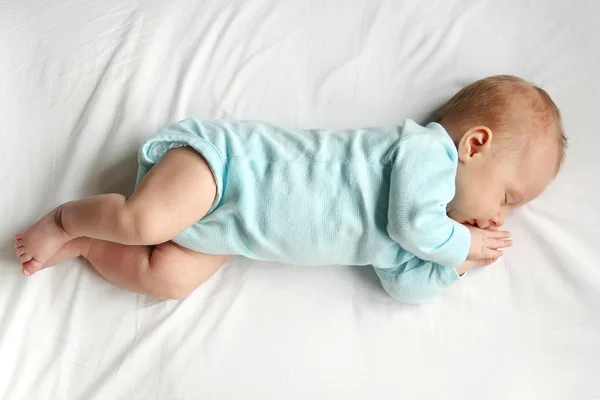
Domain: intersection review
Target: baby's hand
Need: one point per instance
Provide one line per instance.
(468, 264)
(486, 242)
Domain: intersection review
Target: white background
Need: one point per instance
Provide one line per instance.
(83, 83)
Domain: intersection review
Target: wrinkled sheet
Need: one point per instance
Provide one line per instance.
(83, 83)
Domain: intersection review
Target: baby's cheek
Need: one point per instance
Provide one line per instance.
(476, 209)
(491, 212)
(468, 204)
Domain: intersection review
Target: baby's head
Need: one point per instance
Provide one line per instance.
(510, 144)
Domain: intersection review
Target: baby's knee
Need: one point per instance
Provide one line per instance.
(144, 227)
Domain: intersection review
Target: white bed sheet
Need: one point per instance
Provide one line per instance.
(83, 83)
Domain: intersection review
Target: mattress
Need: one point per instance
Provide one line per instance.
(82, 84)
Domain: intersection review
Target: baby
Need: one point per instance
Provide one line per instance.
(421, 204)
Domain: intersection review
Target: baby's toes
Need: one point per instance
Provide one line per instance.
(19, 242)
(20, 251)
(19, 246)
(31, 267)
(24, 256)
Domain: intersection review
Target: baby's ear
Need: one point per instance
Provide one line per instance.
(474, 143)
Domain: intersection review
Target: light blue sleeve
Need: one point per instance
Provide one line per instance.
(422, 184)
(416, 280)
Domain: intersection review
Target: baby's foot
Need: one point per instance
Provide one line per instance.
(38, 243)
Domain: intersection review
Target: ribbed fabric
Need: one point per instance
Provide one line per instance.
(373, 196)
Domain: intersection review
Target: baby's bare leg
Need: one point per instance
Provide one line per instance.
(163, 271)
(71, 249)
(176, 193)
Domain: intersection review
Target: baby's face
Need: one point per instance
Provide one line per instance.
(492, 181)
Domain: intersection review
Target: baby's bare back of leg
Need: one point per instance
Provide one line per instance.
(164, 271)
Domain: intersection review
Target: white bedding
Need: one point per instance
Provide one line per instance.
(83, 83)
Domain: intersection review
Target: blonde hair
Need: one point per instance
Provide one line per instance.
(497, 102)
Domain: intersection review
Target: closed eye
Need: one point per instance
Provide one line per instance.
(513, 199)
(510, 200)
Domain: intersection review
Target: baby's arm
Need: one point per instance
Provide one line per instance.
(422, 184)
(416, 280)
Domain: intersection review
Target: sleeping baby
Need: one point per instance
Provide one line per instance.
(421, 204)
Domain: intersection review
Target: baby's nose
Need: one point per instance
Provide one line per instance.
(498, 220)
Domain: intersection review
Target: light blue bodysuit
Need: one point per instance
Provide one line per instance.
(373, 196)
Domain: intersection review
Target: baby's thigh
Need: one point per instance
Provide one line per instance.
(176, 193)
(181, 270)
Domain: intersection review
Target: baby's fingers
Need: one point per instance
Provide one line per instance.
(492, 253)
(497, 234)
(484, 262)
(498, 243)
